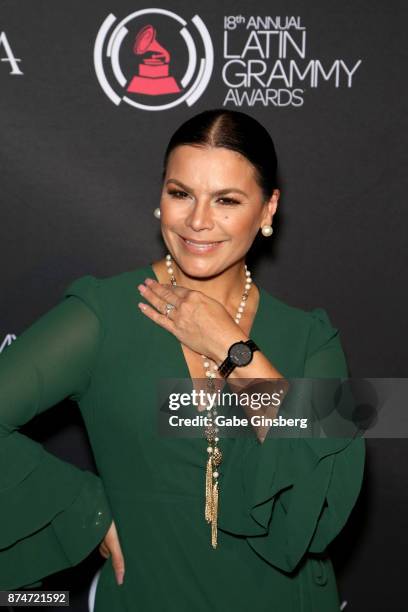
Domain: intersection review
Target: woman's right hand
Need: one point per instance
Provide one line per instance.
(110, 545)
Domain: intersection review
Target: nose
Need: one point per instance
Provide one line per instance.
(201, 216)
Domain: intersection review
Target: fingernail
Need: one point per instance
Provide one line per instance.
(148, 281)
(119, 577)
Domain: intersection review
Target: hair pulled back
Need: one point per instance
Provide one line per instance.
(232, 130)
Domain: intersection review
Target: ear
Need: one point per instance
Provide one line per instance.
(270, 207)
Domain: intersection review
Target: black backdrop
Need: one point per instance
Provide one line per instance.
(80, 177)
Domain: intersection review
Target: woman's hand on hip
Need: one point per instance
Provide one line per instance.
(110, 546)
(198, 321)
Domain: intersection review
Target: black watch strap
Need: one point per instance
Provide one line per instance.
(227, 366)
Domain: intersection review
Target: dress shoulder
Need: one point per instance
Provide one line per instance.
(321, 329)
(86, 288)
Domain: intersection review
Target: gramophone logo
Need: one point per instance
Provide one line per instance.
(153, 59)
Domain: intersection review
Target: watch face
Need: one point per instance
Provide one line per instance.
(240, 354)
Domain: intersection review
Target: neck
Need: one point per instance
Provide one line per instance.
(226, 288)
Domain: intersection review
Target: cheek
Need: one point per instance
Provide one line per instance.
(171, 215)
(237, 224)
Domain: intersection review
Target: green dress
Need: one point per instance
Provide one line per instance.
(281, 502)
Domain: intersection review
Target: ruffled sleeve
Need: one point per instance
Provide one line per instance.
(292, 496)
(52, 514)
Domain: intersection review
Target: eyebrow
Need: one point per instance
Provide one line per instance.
(219, 192)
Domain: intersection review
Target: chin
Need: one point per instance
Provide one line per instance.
(196, 266)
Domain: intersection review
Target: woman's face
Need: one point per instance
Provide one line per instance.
(210, 197)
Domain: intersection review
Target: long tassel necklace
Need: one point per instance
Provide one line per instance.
(214, 453)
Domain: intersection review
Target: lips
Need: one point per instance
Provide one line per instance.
(200, 241)
(200, 246)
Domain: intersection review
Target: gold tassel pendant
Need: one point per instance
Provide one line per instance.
(211, 489)
(208, 490)
(211, 496)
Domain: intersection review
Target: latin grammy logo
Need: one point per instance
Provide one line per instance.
(153, 74)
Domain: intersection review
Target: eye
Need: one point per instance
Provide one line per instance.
(176, 194)
(181, 194)
(229, 201)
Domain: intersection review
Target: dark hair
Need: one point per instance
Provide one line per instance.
(233, 130)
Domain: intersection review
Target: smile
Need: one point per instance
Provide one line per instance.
(200, 247)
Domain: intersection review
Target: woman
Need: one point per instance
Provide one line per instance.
(263, 542)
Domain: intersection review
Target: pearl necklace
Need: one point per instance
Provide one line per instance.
(214, 453)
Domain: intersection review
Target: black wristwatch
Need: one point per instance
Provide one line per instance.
(239, 354)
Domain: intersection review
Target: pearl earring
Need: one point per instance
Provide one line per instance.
(156, 213)
(267, 230)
